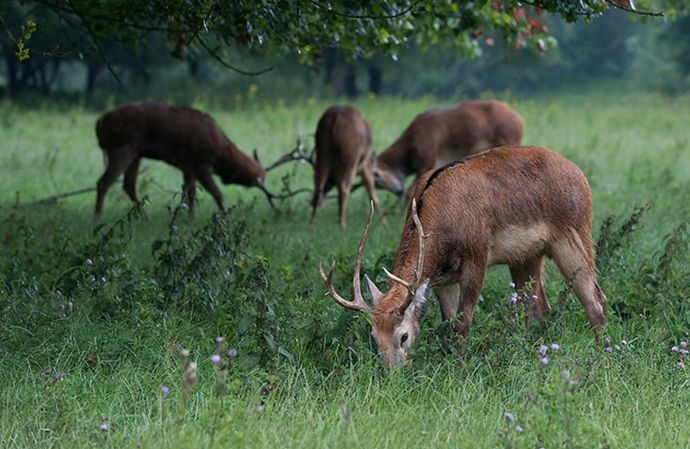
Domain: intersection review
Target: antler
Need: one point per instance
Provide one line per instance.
(297, 154)
(412, 286)
(358, 304)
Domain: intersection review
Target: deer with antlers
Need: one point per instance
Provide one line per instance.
(441, 135)
(508, 205)
(183, 137)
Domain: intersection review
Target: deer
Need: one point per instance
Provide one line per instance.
(343, 143)
(180, 136)
(438, 136)
(513, 206)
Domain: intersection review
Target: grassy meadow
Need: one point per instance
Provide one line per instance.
(94, 316)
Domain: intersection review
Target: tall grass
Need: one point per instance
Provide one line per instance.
(94, 317)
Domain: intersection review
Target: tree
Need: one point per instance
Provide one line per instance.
(357, 28)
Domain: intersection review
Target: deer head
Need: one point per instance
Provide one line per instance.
(388, 178)
(396, 314)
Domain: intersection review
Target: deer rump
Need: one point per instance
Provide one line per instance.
(343, 143)
(183, 137)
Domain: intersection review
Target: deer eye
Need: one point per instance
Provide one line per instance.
(403, 338)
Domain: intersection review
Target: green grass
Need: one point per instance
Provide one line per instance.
(306, 374)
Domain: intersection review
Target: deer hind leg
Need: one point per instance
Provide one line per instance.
(370, 185)
(532, 271)
(575, 263)
(189, 190)
(205, 176)
(321, 187)
(118, 161)
(343, 195)
(130, 182)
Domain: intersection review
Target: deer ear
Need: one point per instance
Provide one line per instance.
(418, 304)
(374, 291)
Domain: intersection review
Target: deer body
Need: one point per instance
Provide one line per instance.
(343, 143)
(439, 136)
(183, 137)
(508, 205)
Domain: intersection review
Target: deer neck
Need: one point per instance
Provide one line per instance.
(396, 157)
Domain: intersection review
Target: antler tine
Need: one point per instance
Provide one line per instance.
(399, 280)
(420, 231)
(356, 285)
(296, 154)
(351, 305)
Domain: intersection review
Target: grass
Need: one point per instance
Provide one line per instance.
(77, 352)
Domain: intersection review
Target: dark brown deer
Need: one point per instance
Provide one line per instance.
(183, 137)
(508, 205)
(343, 142)
(439, 136)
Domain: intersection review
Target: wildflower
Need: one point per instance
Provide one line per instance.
(219, 340)
(513, 298)
(89, 262)
(624, 342)
(58, 294)
(684, 344)
(616, 347)
(104, 279)
(683, 352)
(534, 297)
(565, 375)
(104, 427)
(544, 361)
(509, 416)
(216, 359)
(607, 349)
(70, 304)
(531, 397)
(259, 408)
(542, 350)
(91, 279)
(165, 390)
(680, 364)
(518, 428)
(232, 353)
(184, 353)
(555, 346)
(674, 349)
(511, 285)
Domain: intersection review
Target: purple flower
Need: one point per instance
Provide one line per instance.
(624, 342)
(511, 285)
(683, 352)
(104, 427)
(184, 353)
(232, 353)
(616, 347)
(165, 390)
(680, 364)
(674, 349)
(565, 375)
(555, 346)
(518, 428)
(544, 361)
(542, 350)
(216, 359)
(219, 340)
(509, 416)
(513, 298)
(684, 344)
(58, 294)
(608, 349)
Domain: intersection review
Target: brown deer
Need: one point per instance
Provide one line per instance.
(183, 137)
(439, 136)
(508, 205)
(343, 141)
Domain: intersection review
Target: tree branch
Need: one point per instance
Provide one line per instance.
(635, 11)
(220, 60)
(366, 16)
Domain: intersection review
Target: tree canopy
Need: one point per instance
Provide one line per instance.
(358, 28)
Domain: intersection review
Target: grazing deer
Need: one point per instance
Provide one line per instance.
(183, 137)
(508, 205)
(343, 142)
(439, 136)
